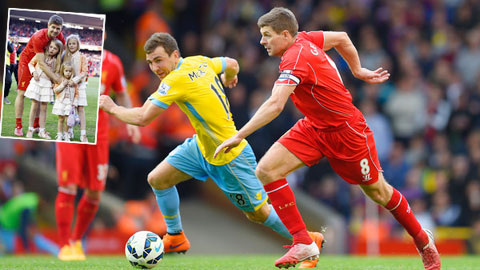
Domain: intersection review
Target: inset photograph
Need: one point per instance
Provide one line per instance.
(52, 75)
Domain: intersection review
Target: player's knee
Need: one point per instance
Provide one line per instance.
(93, 195)
(380, 195)
(256, 216)
(376, 196)
(263, 174)
(156, 182)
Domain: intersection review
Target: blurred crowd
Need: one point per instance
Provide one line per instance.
(426, 118)
(28, 28)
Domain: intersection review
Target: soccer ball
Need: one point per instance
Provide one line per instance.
(144, 249)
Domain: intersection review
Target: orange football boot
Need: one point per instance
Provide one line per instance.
(77, 251)
(319, 240)
(176, 243)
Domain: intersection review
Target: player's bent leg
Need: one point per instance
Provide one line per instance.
(163, 180)
(272, 169)
(390, 198)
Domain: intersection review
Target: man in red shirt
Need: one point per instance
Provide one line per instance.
(333, 127)
(35, 46)
(86, 166)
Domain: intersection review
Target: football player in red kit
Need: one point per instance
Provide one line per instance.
(35, 47)
(333, 128)
(86, 166)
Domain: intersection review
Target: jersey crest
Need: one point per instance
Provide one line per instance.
(163, 89)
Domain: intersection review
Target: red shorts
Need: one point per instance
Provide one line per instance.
(83, 165)
(24, 76)
(350, 149)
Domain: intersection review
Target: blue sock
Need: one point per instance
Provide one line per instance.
(45, 244)
(169, 203)
(274, 222)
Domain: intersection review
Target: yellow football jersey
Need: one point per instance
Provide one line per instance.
(197, 90)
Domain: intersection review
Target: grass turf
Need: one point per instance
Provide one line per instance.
(8, 117)
(243, 262)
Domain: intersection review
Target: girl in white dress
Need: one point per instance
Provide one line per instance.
(80, 67)
(66, 96)
(40, 88)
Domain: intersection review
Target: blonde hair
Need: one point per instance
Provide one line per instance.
(73, 36)
(64, 65)
(68, 55)
(58, 58)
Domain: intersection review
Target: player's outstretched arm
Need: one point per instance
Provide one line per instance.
(133, 131)
(269, 110)
(229, 77)
(139, 116)
(342, 43)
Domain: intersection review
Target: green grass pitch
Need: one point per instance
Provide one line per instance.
(8, 117)
(240, 262)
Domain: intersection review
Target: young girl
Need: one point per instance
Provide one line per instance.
(66, 94)
(40, 88)
(80, 68)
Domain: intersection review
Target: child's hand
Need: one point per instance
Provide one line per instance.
(36, 76)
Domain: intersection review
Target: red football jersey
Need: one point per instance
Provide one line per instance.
(37, 43)
(113, 77)
(320, 94)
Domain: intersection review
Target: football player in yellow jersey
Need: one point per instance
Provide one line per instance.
(194, 85)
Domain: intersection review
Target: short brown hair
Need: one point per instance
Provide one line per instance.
(55, 19)
(161, 39)
(279, 19)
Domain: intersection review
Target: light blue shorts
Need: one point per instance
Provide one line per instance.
(236, 179)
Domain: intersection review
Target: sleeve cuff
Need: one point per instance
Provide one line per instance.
(158, 103)
(224, 64)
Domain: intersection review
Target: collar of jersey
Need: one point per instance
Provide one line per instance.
(179, 63)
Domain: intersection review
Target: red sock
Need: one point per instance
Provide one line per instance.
(36, 123)
(283, 200)
(86, 211)
(19, 122)
(64, 215)
(400, 209)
